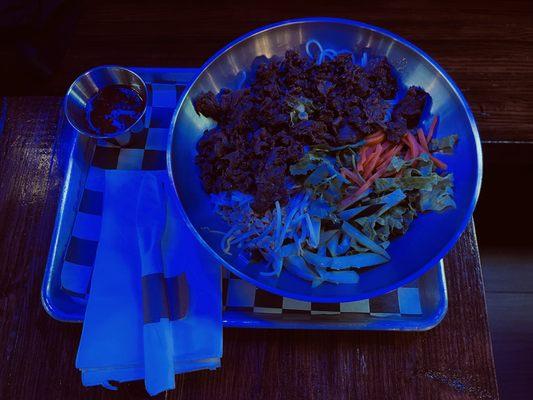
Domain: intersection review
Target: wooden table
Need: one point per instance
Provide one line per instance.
(475, 43)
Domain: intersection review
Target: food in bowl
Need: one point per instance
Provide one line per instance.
(318, 161)
(115, 108)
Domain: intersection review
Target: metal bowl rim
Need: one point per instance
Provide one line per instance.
(107, 135)
(378, 291)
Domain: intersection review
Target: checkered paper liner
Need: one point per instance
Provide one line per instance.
(146, 151)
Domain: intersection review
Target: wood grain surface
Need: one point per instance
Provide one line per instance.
(452, 361)
(486, 46)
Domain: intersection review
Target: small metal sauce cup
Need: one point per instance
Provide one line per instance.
(87, 85)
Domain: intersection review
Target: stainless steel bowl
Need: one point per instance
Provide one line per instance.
(89, 84)
(430, 237)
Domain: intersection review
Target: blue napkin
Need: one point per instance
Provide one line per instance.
(137, 326)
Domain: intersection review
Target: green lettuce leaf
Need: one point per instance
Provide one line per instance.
(424, 165)
(407, 183)
(440, 197)
(306, 164)
(445, 144)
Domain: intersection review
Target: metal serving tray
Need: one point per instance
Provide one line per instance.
(420, 305)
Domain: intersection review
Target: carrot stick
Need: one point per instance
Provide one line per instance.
(355, 178)
(369, 156)
(375, 138)
(413, 144)
(345, 173)
(369, 168)
(431, 130)
(422, 139)
(438, 163)
(362, 159)
(392, 151)
(348, 201)
(387, 157)
(359, 178)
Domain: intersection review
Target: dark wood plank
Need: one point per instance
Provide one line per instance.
(512, 335)
(486, 46)
(453, 361)
(508, 276)
(500, 216)
(508, 270)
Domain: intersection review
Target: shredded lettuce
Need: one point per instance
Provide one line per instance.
(444, 145)
(440, 197)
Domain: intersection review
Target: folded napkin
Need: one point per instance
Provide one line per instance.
(151, 312)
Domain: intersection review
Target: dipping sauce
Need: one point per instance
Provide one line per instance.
(113, 109)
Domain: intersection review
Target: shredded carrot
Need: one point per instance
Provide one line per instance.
(392, 151)
(359, 178)
(438, 163)
(376, 155)
(375, 138)
(348, 201)
(375, 134)
(369, 154)
(387, 157)
(345, 173)
(362, 159)
(410, 152)
(369, 168)
(422, 139)
(431, 130)
(354, 177)
(413, 143)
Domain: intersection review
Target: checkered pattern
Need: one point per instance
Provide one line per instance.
(146, 151)
(239, 295)
(81, 250)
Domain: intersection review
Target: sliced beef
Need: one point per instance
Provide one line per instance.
(406, 114)
(380, 73)
(270, 187)
(207, 104)
(411, 106)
